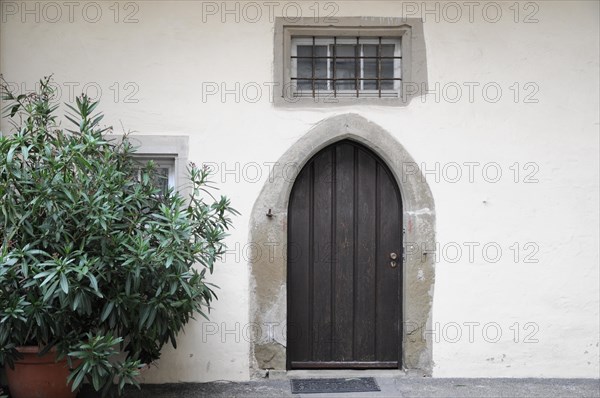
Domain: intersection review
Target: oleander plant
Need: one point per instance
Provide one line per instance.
(97, 263)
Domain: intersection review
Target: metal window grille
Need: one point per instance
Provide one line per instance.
(346, 66)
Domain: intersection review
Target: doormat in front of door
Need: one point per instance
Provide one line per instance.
(353, 384)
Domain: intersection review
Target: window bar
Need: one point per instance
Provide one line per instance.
(334, 73)
(328, 81)
(345, 78)
(356, 65)
(379, 53)
(313, 66)
(344, 57)
(362, 67)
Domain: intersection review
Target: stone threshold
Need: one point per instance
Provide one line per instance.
(341, 373)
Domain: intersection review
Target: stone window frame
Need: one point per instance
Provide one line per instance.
(413, 66)
(268, 240)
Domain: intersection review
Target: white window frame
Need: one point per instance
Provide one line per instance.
(329, 42)
(162, 162)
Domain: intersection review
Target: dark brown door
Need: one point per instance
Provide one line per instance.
(344, 262)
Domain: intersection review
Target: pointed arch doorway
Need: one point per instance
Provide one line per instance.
(268, 327)
(344, 263)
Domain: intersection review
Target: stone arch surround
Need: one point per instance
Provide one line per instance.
(268, 238)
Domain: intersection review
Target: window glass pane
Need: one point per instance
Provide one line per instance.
(387, 84)
(305, 67)
(161, 179)
(345, 68)
(370, 70)
(370, 50)
(387, 66)
(305, 51)
(370, 66)
(321, 67)
(387, 69)
(387, 50)
(304, 86)
(345, 50)
(304, 64)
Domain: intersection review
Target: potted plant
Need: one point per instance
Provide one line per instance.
(95, 261)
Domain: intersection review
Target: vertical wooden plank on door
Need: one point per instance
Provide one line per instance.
(298, 257)
(364, 267)
(344, 259)
(388, 277)
(322, 248)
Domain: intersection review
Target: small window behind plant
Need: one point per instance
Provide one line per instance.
(163, 171)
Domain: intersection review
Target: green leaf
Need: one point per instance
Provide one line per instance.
(108, 307)
(96, 381)
(93, 282)
(50, 291)
(80, 374)
(51, 275)
(9, 156)
(64, 283)
(14, 110)
(144, 316)
(76, 302)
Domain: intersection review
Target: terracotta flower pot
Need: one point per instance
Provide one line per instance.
(39, 377)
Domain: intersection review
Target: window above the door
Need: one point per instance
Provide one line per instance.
(343, 66)
(348, 61)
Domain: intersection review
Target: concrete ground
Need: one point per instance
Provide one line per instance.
(390, 387)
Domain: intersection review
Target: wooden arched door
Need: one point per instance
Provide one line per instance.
(344, 275)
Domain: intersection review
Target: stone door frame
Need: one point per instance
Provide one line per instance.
(268, 243)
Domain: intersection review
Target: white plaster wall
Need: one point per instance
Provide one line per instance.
(171, 52)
